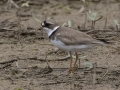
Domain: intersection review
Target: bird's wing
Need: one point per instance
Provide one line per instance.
(74, 37)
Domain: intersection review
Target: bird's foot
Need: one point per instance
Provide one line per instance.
(72, 69)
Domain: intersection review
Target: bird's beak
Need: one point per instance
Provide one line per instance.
(41, 28)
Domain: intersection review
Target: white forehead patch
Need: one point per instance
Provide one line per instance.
(43, 24)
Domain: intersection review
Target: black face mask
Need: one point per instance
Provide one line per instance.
(46, 24)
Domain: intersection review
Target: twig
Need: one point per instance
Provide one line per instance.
(5, 66)
(103, 76)
(117, 28)
(105, 22)
(64, 58)
(85, 17)
(46, 44)
(94, 74)
(9, 61)
(47, 60)
(19, 26)
(101, 30)
(17, 64)
(110, 30)
(52, 83)
(93, 25)
(58, 59)
(10, 3)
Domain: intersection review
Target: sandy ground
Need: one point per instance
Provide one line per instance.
(22, 43)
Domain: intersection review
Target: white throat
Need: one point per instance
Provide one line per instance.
(50, 31)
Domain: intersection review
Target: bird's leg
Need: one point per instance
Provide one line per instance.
(76, 58)
(70, 60)
(79, 63)
(75, 65)
(70, 69)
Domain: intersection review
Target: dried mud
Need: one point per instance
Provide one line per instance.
(22, 44)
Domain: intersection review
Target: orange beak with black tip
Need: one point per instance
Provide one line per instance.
(42, 25)
(41, 28)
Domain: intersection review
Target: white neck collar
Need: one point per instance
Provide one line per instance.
(49, 31)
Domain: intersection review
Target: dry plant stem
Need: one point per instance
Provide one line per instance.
(6, 65)
(17, 64)
(47, 61)
(64, 58)
(103, 76)
(79, 63)
(10, 3)
(89, 31)
(53, 83)
(93, 25)
(19, 26)
(46, 44)
(94, 74)
(9, 61)
(58, 59)
(85, 14)
(105, 22)
(85, 19)
(116, 27)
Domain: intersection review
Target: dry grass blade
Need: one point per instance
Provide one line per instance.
(35, 18)
(103, 76)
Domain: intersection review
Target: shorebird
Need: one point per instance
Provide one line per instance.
(70, 40)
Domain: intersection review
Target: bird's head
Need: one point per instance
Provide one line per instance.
(49, 27)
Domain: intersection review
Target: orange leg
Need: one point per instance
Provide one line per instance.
(71, 60)
(72, 69)
(76, 59)
(75, 65)
(79, 63)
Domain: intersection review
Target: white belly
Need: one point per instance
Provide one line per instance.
(61, 45)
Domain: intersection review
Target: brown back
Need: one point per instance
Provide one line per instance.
(72, 37)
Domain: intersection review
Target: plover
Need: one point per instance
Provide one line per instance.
(69, 40)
